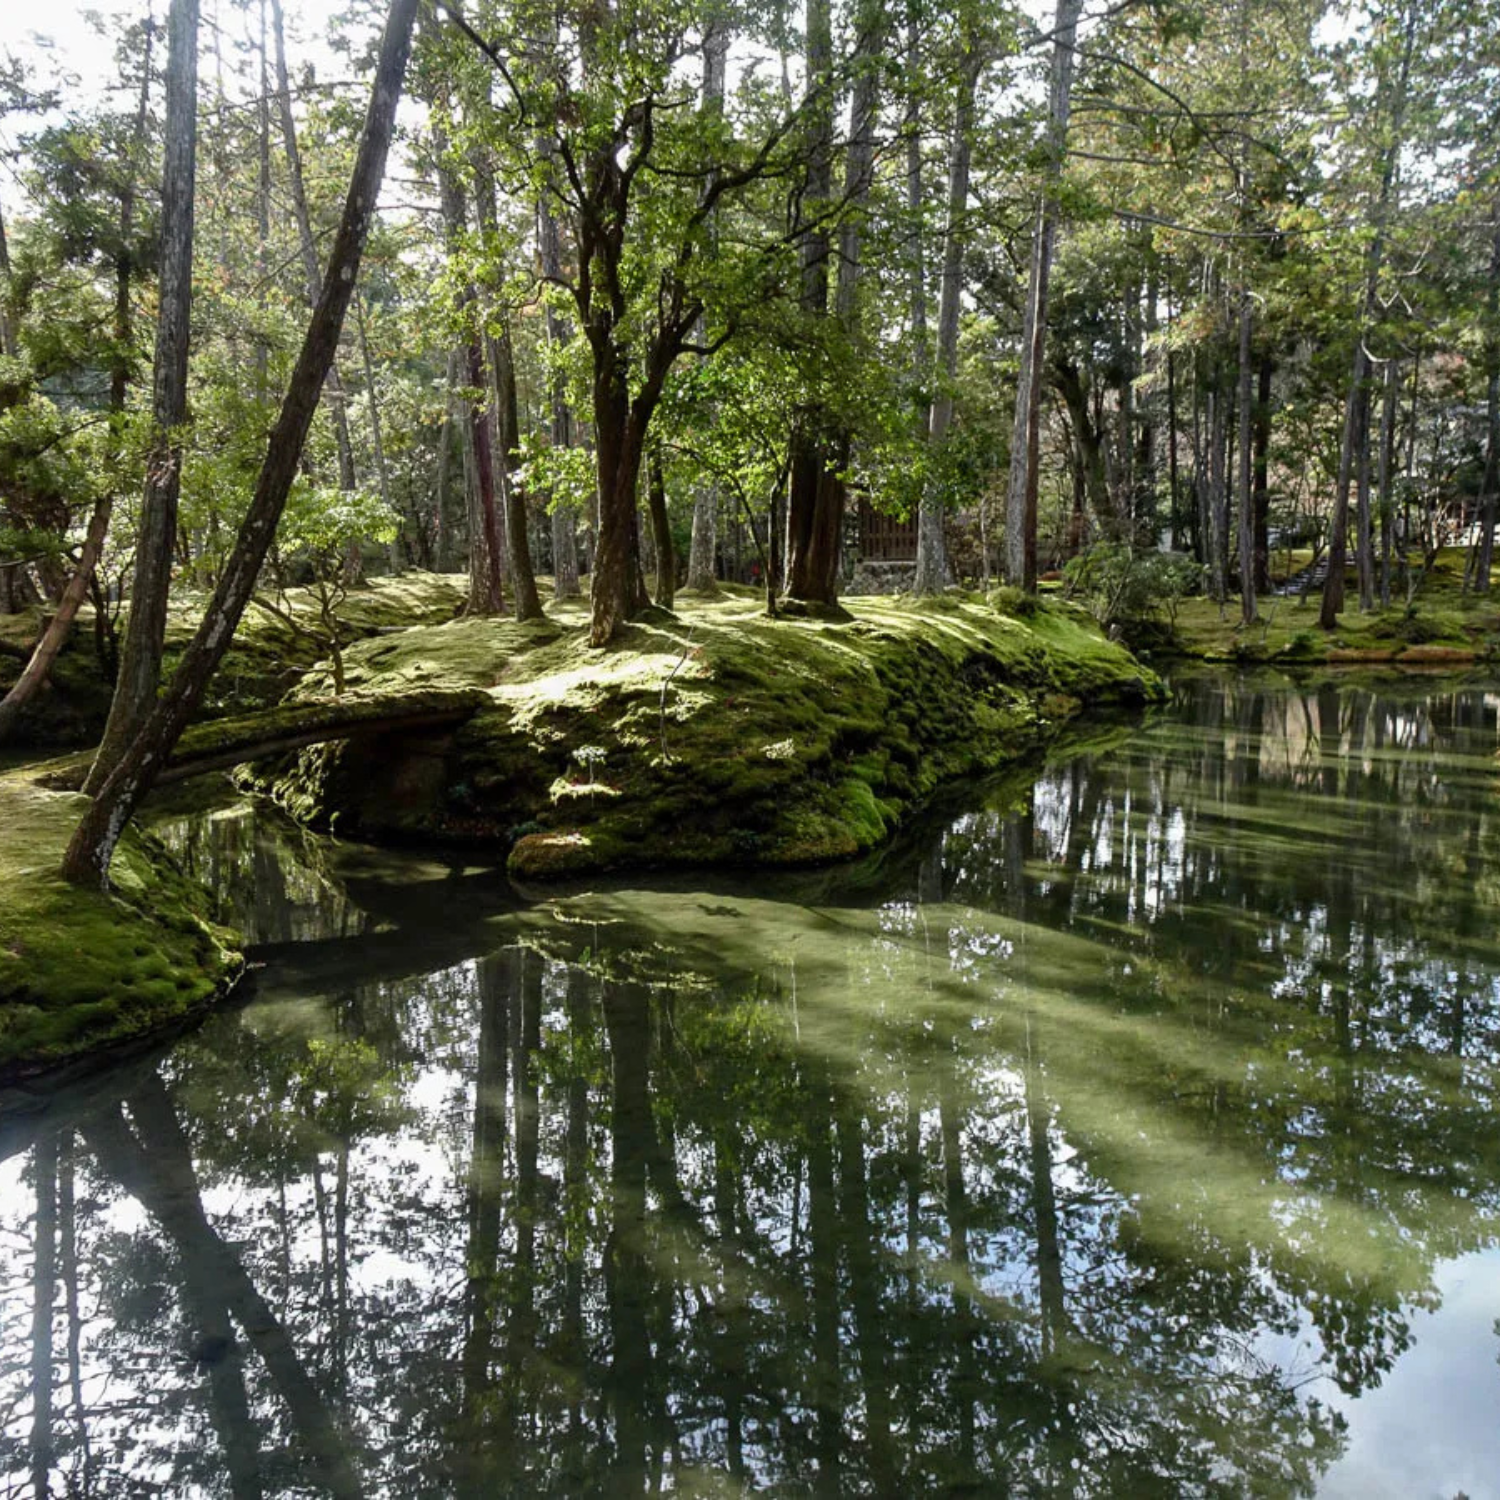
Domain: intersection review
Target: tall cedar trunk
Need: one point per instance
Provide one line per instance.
(661, 533)
(382, 475)
(88, 855)
(1246, 468)
(1491, 411)
(1387, 469)
(1338, 546)
(55, 636)
(1261, 491)
(859, 173)
(1218, 502)
(932, 555)
(312, 276)
(518, 535)
(507, 451)
(441, 525)
(704, 545)
(140, 659)
(1025, 450)
(1172, 478)
(815, 499)
(8, 345)
(560, 435)
(1364, 535)
(916, 268)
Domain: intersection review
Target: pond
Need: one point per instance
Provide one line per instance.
(1130, 1128)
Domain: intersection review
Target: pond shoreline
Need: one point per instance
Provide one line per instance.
(787, 743)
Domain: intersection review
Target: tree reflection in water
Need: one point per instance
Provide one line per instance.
(1006, 1174)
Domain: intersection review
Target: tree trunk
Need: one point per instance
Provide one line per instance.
(1025, 451)
(661, 533)
(1246, 469)
(932, 557)
(814, 508)
(1487, 505)
(382, 475)
(55, 636)
(312, 275)
(1333, 589)
(1387, 468)
(1261, 496)
(522, 574)
(88, 855)
(508, 437)
(140, 662)
(701, 572)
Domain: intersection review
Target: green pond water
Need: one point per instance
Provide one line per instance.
(1129, 1129)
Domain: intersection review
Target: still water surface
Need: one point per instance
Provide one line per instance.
(1128, 1130)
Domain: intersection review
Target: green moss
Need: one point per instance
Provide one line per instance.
(82, 970)
(721, 735)
(266, 660)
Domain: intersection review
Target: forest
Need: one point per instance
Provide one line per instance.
(749, 748)
(881, 298)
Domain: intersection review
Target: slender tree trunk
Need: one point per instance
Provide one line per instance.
(502, 365)
(8, 345)
(1218, 505)
(1261, 496)
(1246, 468)
(55, 636)
(1387, 468)
(1025, 451)
(382, 474)
(307, 245)
(140, 661)
(661, 533)
(518, 535)
(88, 855)
(701, 574)
(932, 558)
(1333, 589)
(1487, 505)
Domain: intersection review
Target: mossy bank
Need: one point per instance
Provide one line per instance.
(713, 736)
(82, 972)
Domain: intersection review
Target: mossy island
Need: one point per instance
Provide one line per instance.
(713, 736)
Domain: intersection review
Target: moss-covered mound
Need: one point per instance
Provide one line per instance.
(268, 657)
(80, 970)
(715, 736)
(1440, 626)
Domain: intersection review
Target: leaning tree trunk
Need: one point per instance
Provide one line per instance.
(140, 662)
(311, 274)
(1025, 450)
(87, 859)
(55, 636)
(932, 555)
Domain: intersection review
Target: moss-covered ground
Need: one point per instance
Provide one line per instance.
(84, 972)
(1439, 626)
(712, 736)
(266, 661)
